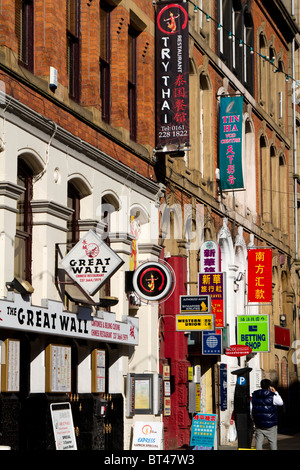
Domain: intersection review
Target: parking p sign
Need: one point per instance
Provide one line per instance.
(254, 331)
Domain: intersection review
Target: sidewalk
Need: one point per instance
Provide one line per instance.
(287, 440)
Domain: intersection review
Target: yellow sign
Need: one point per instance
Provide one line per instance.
(195, 322)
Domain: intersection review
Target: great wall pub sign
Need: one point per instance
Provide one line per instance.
(172, 76)
(91, 262)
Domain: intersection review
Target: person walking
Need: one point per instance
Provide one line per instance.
(265, 414)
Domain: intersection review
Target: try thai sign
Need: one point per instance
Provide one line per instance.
(230, 145)
(91, 262)
(260, 275)
(172, 75)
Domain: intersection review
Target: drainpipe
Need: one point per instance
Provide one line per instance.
(294, 141)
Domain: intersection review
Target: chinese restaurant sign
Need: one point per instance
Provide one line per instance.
(214, 285)
(260, 275)
(91, 262)
(172, 75)
(230, 145)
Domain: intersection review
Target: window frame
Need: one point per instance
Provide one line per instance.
(25, 233)
(24, 30)
(73, 49)
(105, 64)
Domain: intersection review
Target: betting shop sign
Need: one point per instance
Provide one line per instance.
(91, 262)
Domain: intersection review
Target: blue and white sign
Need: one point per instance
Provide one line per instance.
(241, 380)
(211, 343)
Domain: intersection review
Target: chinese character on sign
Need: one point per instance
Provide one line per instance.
(260, 275)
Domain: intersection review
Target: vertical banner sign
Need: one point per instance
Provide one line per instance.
(172, 75)
(260, 275)
(214, 285)
(210, 257)
(230, 146)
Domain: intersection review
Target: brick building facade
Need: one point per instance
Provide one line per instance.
(78, 153)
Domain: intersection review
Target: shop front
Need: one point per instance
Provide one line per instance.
(52, 360)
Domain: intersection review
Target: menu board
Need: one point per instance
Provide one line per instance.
(10, 367)
(98, 371)
(58, 369)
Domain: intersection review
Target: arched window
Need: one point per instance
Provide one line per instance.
(265, 183)
(263, 67)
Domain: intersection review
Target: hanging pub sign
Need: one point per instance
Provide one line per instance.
(210, 257)
(91, 262)
(213, 284)
(153, 281)
(260, 275)
(230, 144)
(172, 76)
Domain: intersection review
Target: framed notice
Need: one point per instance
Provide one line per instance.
(98, 371)
(10, 367)
(58, 369)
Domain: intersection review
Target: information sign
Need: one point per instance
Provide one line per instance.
(213, 284)
(203, 431)
(63, 427)
(211, 343)
(195, 322)
(147, 436)
(195, 303)
(254, 331)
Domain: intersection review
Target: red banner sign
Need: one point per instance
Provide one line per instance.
(238, 350)
(260, 275)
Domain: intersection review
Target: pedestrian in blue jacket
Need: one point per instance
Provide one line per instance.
(265, 414)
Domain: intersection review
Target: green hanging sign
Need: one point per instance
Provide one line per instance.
(230, 145)
(254, 331)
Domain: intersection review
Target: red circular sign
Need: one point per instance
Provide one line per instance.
(153, 281)
(237, 350)
(168, 24)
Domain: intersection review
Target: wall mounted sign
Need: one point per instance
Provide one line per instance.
(172, 75)
(260, 275)
(230, 145)
(51, 319)
(254, 331)
(203, 434)
(210, 257)
(195, 322)
(98, 371)
(91, 262)
(153, 281)
(195, 304)
(212, 343)
(214, 285)
(58, 368)
(147, 436)
(10, 366)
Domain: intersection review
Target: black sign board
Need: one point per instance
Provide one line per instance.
(195, 303)
(172, 76)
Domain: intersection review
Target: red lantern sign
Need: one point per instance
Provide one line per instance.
(238, 350)
(260, 275)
